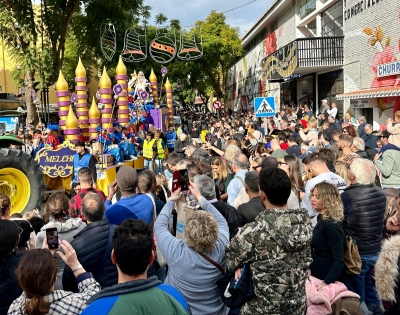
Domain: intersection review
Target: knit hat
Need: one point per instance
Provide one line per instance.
(127, 178)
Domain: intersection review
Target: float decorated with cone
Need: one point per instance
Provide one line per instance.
(112, 125)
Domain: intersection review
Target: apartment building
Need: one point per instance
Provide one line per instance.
(294, 53)
(371, 59)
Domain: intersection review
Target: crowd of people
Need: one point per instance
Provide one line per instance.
(282, 204)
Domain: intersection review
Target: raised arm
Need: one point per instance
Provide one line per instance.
(166, 242)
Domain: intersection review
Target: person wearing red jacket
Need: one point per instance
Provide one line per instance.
(52, 138)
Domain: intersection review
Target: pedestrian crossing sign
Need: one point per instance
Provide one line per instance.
(264, 106)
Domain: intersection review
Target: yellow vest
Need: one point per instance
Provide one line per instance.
(160, 149)
(203, 135)
(148, 149)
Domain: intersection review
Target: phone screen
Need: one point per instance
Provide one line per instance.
(184, 179)
(52, 238)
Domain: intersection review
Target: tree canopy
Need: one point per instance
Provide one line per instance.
(36, 34)
(44, 38)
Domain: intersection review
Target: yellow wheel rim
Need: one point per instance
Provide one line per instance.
(15, 184)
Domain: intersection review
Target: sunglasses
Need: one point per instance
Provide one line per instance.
(256, 167)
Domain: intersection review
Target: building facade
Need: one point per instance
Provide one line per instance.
(372, 59)
(7, 85)
(293, 53)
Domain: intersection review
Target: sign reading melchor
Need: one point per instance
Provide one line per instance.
(358, 8)
(57, 163)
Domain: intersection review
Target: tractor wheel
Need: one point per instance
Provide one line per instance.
(22, 180)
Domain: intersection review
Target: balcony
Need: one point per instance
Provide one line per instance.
(303, 56)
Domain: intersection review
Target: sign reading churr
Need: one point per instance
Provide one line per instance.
(390, 68)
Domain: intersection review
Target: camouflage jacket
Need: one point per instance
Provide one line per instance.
(277, 245)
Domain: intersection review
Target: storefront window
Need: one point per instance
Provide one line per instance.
(329, 85)
(306, 7)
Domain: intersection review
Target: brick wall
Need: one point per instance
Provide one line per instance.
(359, 54)
(372, 36)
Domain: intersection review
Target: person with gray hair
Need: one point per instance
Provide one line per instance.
(361, 128)
(304, 147)
(254, 206)
(91, 246)
(364, 209)
(207, 189)
(207, 235)
(358, 146)
(240, 163)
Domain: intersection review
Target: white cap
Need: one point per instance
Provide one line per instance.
(324, 101)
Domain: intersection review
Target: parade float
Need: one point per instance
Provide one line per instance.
(130, 104)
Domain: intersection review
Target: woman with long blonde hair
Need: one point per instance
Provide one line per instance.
(328, 239)
(222, 176)
(341, 168)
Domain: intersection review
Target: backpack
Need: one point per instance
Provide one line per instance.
(242, 197)
(352, 259)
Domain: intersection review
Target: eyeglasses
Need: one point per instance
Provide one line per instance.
(280, 163)
(256, 167)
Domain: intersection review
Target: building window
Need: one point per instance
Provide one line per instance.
(312, 26)
(332, 21)
(306, 7)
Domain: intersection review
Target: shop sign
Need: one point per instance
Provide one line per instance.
(293, 76)
(358, 8)
(361, 103)
(390, 68)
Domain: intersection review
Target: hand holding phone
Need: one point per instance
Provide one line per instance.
(180, 179)
(52, 238)
(301, 189)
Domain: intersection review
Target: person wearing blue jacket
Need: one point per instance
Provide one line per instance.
(171, 138)
(131, 205)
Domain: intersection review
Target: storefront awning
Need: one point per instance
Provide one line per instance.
(371, 93)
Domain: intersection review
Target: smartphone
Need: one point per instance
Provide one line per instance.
(52, 238)
(180, 179)
(301, 189)
(184, 179)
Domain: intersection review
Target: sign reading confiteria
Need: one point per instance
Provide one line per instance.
(390, 68)
(358, 8)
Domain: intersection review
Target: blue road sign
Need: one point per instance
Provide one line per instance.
(264, 106)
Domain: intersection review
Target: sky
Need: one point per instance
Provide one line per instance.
(188, 12)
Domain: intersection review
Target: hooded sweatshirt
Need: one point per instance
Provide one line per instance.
(66, 231)
(277, 246)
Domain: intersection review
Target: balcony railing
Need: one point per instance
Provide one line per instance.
(304, 52)
(319, 51)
